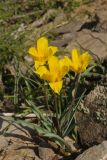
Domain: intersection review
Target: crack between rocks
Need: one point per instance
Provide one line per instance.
(97, 38)
(88, 50)
(90, 25)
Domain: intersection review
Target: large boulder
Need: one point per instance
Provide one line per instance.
(98, 152)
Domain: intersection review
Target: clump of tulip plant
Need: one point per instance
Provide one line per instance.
(58, 121)
(53, 70)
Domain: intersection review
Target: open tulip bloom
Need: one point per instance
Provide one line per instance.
(42, 51)
(79, 62)
(54, 75)
(59, 68)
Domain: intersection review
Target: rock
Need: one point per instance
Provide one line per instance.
(3, 146)
(68, 28)
(14, 132)
(102, 12)
(92, 126)
(60, 18)
(17, 143)
(84, 33)
(101, 27)
(3, 143)
(50, 20)
(71, 143)
(90, 41)
(98, 152)
(67, 32)
(19, 151)
(45, 152)
(18, 157)
(45, 18)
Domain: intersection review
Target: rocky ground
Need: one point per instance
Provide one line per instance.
(86, 28)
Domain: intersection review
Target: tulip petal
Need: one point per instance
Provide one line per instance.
(33, 52)
(75, 55)
(38, 64)
(41, 71)
(44, 73)
(64, 66)
(56, 86)
(75, 62)
(85, 60)
(52, 50)
(53, 64)
(42, 46)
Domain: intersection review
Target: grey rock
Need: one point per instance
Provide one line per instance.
(3, 143)
(67, 32)
(45, 18)
(45, 152)
(3, 147)
(18, 157)
(98, 152)
(95, 43)
(60, 18)
(17, 143)
(92, 126)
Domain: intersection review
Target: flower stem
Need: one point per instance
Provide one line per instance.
(57, 115)
(76, 89)
(46, 98)
(69, 112)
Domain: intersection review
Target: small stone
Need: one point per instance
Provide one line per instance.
(3, 143)
(71, 143)
(98, 152)
(19, 157)
(45, 152)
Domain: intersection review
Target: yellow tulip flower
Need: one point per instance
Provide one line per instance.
(42, 51)
(54, 75)
(79, 62)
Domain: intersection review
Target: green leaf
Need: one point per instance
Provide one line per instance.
(46, 122)
(88, 71)
(57, 138)
(24, 123)
(36, 111)
(68, 122)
